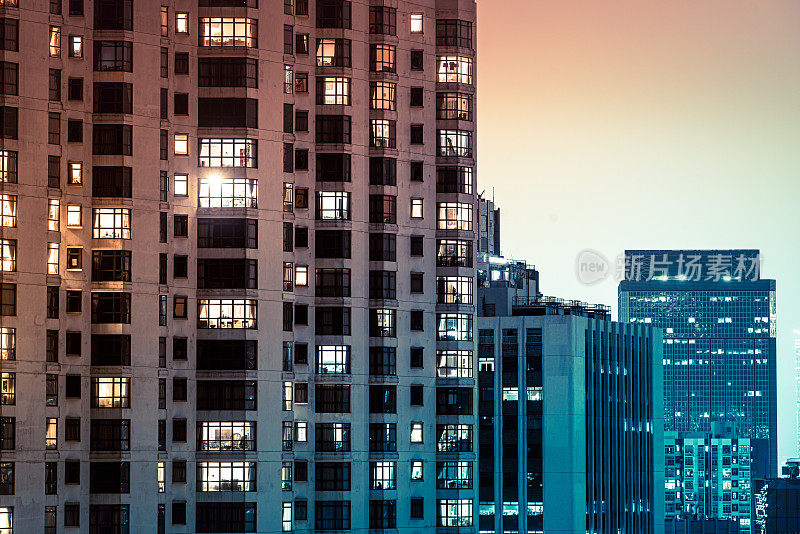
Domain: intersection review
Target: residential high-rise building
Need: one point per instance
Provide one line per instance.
(718, 318)
(169, 364)
(569, 407)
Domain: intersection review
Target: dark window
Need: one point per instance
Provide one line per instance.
(382, 247)
(382, 514)
(332, 437)
(163, 145)
(113, 55)
(53, 127)
(72, 386)
(417, 321)
(227, 233)
(417, 283)
(179, 389)
(383, 209)
(227, 72)
(288, 157)
(112, 139)
(72, 343)
(301, 353)
(288, 39)
(333, 167)
(288, 237)
(301, 44)
(301, 237)
(54, 89)
(382, 20)
(226, 395)
(179, 430)
(332, 398)
(417, 100)
(417, 134)
(109, 477)
(417, 508)
(73, 301)
(9, 34)
(51, 345)
(383, 361)
(333, 14)
(382, 437)
(180, 226)
(453, 401)
(300, 506)
(75, 89)
(227, 112)
(162, 227)
(181, 63)
(382, 285)
(332, 244)
(8, 299)
(74, 131)
(164, 62)
(288, 317)
(332, 321)
(53, 171)
(234, 273)
(219, 355)
(382, 171)
(112, 97)
(109, 518)
(181, 104)
(111, 307)
(301, 197)
(50, 478)
(111, 266)
(178, 512)
(113, 14)
(72, 472)
(180, 266)
(111, 349)
(383, 399)
(332, 282)
(332, 515)
(454, 32)
(162, 268)
(288, 118)
(72, 429)
(417, 396)
(301, 160)
(417, 247)
(332, 476)
(225, 517)
(333, 129)
(301, 121)
(417, 62)
(72, 514)
(8, 122)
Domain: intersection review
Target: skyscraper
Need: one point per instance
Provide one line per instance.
(718, 318)
(168, 363)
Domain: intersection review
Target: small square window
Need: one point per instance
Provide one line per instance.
(181, 104)
(417, 321)
(178, 512)
(416, 20)
(417, 62)
(180, 266)
(181, 23)
(416, 470)
(74, 301)
(181, 63)
(417, 285)
(75, 46)
(416, 97)
(416, 361)
(75, 89)
(181, 144)
(301, 275)
(74, 131)
(417, 211)
(181, 226)
(75, 173)
(417, 508)
(417, 171)
(180, 303)
(74, 258)
(74, 216)
(73, 343)
(181, 185)
(416, 432)
(72, 386)
(417, 245)
(417, 394)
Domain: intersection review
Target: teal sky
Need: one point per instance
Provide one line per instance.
(642, 124)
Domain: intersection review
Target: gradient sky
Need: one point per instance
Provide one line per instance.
(642, 124)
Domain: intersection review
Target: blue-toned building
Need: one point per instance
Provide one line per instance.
(718, 319)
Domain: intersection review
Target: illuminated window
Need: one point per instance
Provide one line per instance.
(219, 192)
(226, 436)
(8, 211)
(55, 41)
(416, 208)
(454, 363)
(288, 391)
(454, 216)
(301, 275)
(454, 106)
(333, 205)
(382, 58)
(382, 96)
(288, 79)
(8, 166)
(416, 470)
(454, 512)
(75, 173)
(111, 223)
(382, 133)
(181, 185)
(286, 517)
(52, 258)
(288, 276)
(228, 153)
(333, 359)
(333, 52)
(8, 383)
(416, 432)
(383, 475)
(7, 512)
(217, 31)
(74, 216)
(226, 313)
(75, 46)
(53, 214)
(454, 327)
(333, 90)
(454, 69)
(454, 143)
(51, 435)
(162, 477)
(181, 144)
(416, 21)
(383, 322)
(111, 392)
(181, 23)
(226, 476)
(164, 21)
(288, 196)
(301, 431)
(454, 289)
(8, 255)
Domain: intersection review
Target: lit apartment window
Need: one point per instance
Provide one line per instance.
(333, 359)
(383, 322)
(383, 475)
(454, 289)
(226, 436)
(333, 90)
(53, 214)
(217, 31)
(333, 52)
(382, 96)
(416, 432)
(52, 258)
(382, 58)
(51, 434)
(226, 313)
(417, 472)
(181, 185)
(301, 431)
(75, 46)
(288, 196)
(382, 133)
(288, 391)
(454, 69)
(74, 216)
(226, 476)
(416, 208)
(8, 166)
(164, 21)
(8, 211)
(181, 23)
(286, 517)
(333, 205)
(7, 512)
(288, 276)
(301, 275)
(55, 41)
(454, 327)
(162, 477)
(416, 20)
(227, 153)
(454, 363)
(453, 106)
(8, 255)
(454, 216)
(454, 512)
(111, 392)
(288, 79)
(111, 223)
(218, 192)
(75, 173)
(454, 143)
(181, 144)
(8, 387)
(74, 258)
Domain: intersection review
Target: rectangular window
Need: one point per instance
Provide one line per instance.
(383, 209)
(454, 106)
(54, 89)
(9, 34)
(226, 395)
(454, 69)
(454, 143)
(382, 58)
(454, 289)
(454, 32)
(334, 167)
(383, 361)
(8, 166)
(226, 517)
(55, 41)
(333, 14)
(113, 97)
(227, 313)
(453, 512)
(227, 233)
(111, 223)
(333, 129)
(76, 46)
(8, 343)
(215, 152)
(454, 216)
(454, 180)
(111, 266)
(110, 392)
(215, 436)
(333, 90)
(332, 515)
(383, 322)
(382, 96)
(111, 307)
(334, 52)
(333, 205)
(332, 398)
(333, 359)
(229, 32)
(112, 139)
(113, 55)
(454, 327)
(382, 133)
(53, 128)
(226, 476)
(382, 20)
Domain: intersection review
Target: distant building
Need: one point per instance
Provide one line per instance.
(488, 227)
(718, 319)
(797, 382)
(778, 502)
(569, 409)
(700, 526)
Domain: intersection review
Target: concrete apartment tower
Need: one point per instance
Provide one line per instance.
(237, 265)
